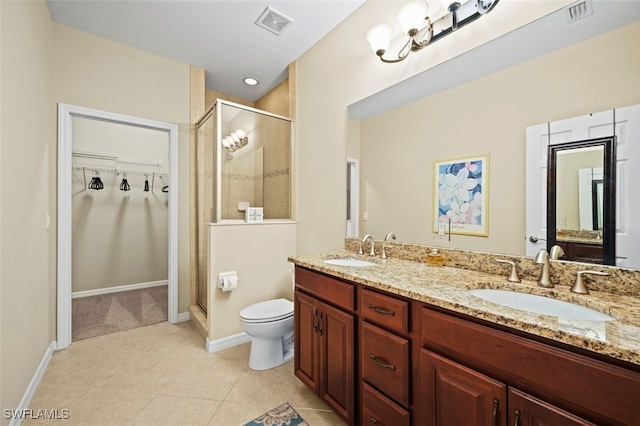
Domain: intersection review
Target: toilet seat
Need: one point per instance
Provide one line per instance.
(268, 311)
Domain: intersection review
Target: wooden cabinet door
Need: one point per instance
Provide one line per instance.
(337, 362)
(456, 395)
(525, 410)
(306, 341)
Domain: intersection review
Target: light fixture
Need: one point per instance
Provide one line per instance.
(235, 140)
(251, 81)
(418, 25)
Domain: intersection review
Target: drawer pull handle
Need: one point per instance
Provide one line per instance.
(374, 421)
(517, 420)
(381, 311)
(320, 329)
(380, 363)
(315, 321)
(495, 412)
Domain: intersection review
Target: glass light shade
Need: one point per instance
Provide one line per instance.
(241, 133)
(225, 142)
(412, 15)
(235, 137)
(379, 37)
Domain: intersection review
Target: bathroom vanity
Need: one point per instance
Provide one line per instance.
(403, 343)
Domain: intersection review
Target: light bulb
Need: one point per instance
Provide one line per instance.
(241, 133)
(235, 137)
(379, 37)
(225, 142)
(412, 15)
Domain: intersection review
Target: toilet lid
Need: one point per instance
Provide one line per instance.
(269, 310)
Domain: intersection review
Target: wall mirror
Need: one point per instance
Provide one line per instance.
(397, 134)
(581, 194)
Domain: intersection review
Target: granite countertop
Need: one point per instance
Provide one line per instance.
(581, 240)
(447, 287)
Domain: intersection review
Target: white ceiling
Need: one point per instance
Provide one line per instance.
(219, 36)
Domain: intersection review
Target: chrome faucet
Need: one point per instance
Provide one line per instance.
(372, 250)
(556, 252)
(580, 287)
(390, 236)
(542, 258)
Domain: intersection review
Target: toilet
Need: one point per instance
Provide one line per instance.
(270, 325)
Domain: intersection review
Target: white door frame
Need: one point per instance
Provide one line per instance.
(65, 137)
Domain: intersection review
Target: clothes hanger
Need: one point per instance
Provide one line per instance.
(124, 185)
(96, 182)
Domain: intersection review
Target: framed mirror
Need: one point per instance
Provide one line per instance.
(581, 200)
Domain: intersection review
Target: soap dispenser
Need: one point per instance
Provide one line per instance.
(435, 258)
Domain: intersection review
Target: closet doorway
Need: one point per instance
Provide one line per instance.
(87, 170)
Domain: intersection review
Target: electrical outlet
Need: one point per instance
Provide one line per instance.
(441, 229)
(365, 216)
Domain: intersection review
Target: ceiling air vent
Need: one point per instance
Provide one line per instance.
(273, 21)
(579, 10)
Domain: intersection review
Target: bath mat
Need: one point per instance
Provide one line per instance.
(280, 416)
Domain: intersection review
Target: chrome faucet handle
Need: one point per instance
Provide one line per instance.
(580, 287)
(513, 276)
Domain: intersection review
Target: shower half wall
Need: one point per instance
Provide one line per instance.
(244, 159)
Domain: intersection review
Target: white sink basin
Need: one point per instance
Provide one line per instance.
(540, 305)
(350, 262)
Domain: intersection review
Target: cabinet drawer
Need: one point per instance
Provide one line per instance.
(385, 362)
(378, 410)
(385, 310)
(334, 291)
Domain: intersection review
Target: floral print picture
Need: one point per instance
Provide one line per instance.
(460, 195)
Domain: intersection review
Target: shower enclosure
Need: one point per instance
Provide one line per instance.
(244, 159)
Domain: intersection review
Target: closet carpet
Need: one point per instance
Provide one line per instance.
(109, 313)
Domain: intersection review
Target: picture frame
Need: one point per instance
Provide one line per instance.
(461, 195)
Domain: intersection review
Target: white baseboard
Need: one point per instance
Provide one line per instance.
(33, 385)
(227, 342)
(184, 316)
(118, 289)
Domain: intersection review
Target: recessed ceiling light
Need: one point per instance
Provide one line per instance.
(251, 81)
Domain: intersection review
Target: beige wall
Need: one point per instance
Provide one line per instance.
(334, 74)
(489, 116)
(26, 153)
(97, 73)
(258, 253)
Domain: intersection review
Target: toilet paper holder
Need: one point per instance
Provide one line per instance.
(227, 276)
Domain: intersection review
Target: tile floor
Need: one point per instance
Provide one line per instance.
(162, 375)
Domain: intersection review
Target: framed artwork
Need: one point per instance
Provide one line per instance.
(461, 195)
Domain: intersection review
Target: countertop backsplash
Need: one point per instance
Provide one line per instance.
(621, 281)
